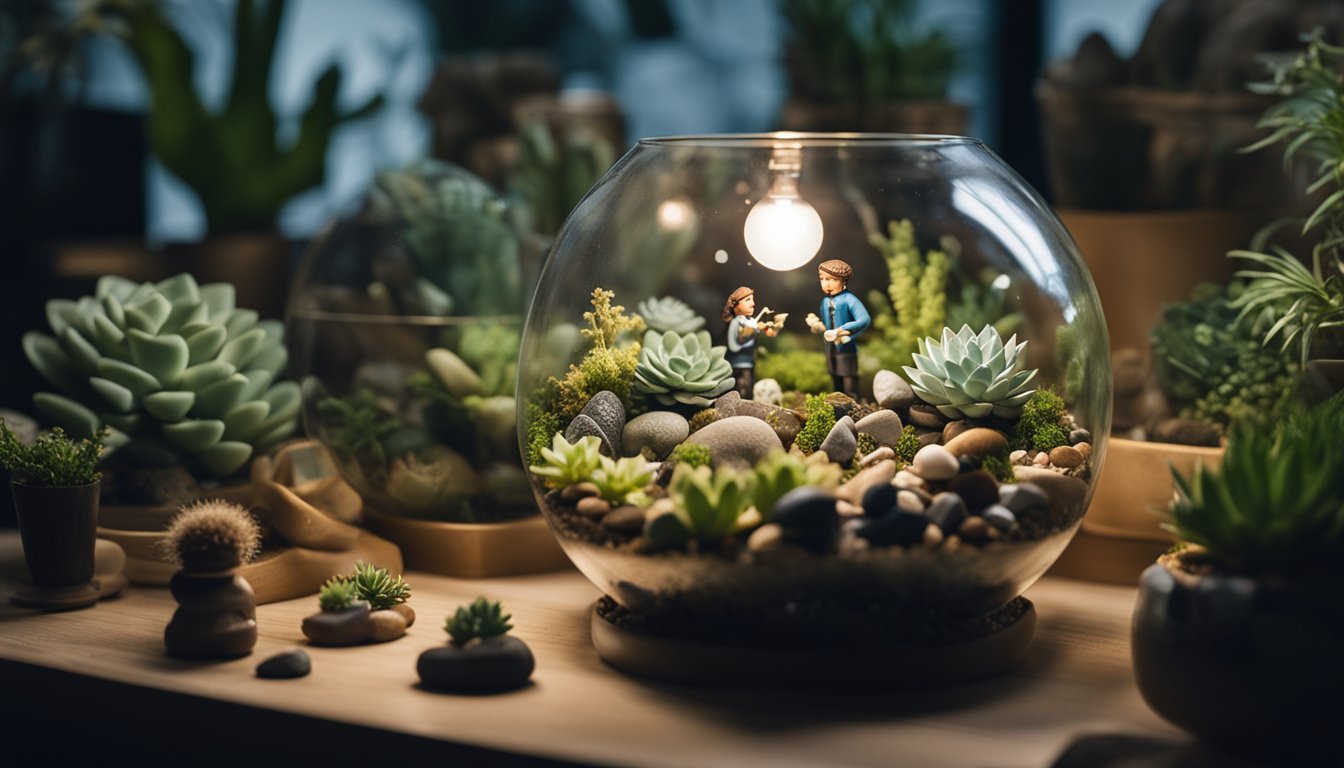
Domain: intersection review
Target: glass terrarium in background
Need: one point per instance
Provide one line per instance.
(841, 396)
(405, 320)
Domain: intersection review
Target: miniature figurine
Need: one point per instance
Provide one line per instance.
(845, 318)
(742, 330)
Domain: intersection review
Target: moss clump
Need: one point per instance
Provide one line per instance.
(908, 443)
(690, 454)
(542, 427)
(337, 594)
(820, 420)
(1000, 467)
(703, 419)
(607, 366)
(212, 533)
(867, 444)
(1042, 426)
(798, 370)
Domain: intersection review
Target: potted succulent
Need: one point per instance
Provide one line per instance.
(1234, 636)
(481, 656)
(365, 606)
(55, 486)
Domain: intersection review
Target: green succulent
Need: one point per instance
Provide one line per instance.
(337, 594)
(684, 369)
(552, 177)
(175, 369)
(915, 302)
(780, 472)
(569, 463)
(1277, 502)
(619, 480)
(710, 502)
(820, 421)
(970, 375)
(377, 587)
(482, 619)
(670, 314)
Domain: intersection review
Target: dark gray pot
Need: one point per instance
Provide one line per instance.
(57, 525)
(1242, 662)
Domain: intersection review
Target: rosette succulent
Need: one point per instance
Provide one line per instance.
(682, 368)
(970, 376)
(175, 369)
(670, 314)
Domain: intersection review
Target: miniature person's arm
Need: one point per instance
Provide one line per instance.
(861, 318)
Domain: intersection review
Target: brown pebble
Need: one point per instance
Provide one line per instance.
(593, 506)
(1041, 459)
(406, 611)
(974, 529)
(930, 438)
(977, 442)
(933, 536)
(883, 453)
(579, 491)
(627, 519)
(978, 489)
(386, 625)
(952, 543)
(955, 428)
(1084, 448)
(1066, 456)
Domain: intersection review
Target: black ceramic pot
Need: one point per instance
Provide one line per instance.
(58, 527)
(1245, 663)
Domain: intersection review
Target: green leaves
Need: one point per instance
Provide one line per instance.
(970, 375)
(53, 460)
(709, 502)
(569, 463)
(376, 586)
(482, 619)
(682, 368)
(1277, 502)
(619, 481)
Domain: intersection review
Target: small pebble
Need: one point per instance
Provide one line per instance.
(1021, 497)
(879, 500)
(976, 442)
(883, 453)
(1084, 448)
(592, 506)
(974, 529)
(763, 538)
(931, 437)
(579, 491)
(285, 665)
(933, 536)
(895, 528)
(908, 480)
(846, 509)
(891, 391)
(947, 511)
(955, 428)
(627, 519)
(1041, 459)
(1018, 457)
(1066, 456)
(926, 416)
(978, 489)
(883, 426)
(999, 517)
(934, 462)
(841, 443)
(1079, 436)
(909, 501)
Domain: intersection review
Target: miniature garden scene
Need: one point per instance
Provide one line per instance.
(792, 381)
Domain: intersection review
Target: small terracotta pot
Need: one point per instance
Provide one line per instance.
(57, 527)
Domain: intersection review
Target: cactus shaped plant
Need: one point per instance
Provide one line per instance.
(970, 376)
(684, 369)
(210, 534)
(569, 463)
(670, 314)
(175, 369)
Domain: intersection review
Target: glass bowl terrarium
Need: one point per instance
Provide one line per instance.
(405, 321)
(832, 401)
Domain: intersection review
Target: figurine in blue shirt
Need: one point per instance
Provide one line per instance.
(843, 317)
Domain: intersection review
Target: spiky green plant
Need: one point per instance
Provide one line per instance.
(53, 460)
(481, 620)
(175, 369)
(620, 480)
(820, 421)
(1277, 502)
(337, 594)
(377, 587)
(780, 472)
(670, 314)
(686, 369)
(569, 463)
(970, 376)
(914, 305)
(709, 502)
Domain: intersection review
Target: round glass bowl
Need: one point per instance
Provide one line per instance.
(940, 241)
(405, 321)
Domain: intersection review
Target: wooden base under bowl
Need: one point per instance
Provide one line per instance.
(894, 667)
(472, 550)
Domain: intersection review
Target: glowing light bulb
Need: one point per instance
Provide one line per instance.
(783, 232)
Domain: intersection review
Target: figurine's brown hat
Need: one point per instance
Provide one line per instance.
(730, 309)
(837, 269)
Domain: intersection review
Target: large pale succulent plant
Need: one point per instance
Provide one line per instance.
(670, 314)
(684, 369)
(175, 369)
(970, 376)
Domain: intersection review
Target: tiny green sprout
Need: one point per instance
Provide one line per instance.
(337, 594)
(482, 619)
(376, 585)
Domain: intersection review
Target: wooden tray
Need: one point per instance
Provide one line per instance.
(472, 550)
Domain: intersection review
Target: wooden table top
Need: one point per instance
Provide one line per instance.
(1076, 682)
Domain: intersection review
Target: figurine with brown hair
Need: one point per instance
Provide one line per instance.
(843, 317)
(743, 326)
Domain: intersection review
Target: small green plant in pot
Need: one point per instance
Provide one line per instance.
(1235, 636)
(55, 487)
(480, 657)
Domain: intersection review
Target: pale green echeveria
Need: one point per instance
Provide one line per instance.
(971, 376)
(174, 368)
(568, 463)
(682, 368)
(670, 314)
